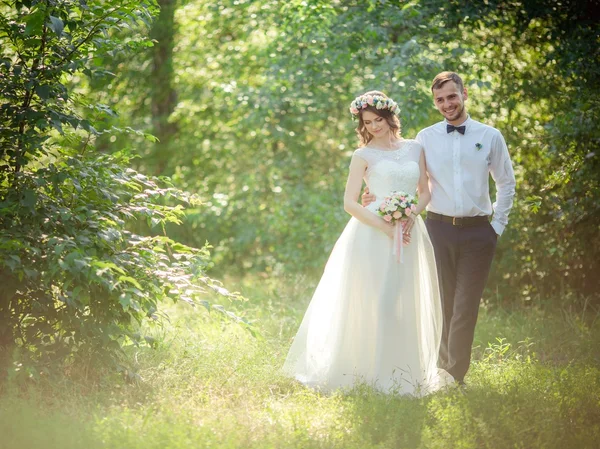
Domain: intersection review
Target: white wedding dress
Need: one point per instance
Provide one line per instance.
(372, 319)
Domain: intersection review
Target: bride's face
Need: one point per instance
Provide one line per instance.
(376, 126)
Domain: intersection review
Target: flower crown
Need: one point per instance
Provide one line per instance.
(373, 100)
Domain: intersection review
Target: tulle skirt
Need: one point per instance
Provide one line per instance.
(373, 319)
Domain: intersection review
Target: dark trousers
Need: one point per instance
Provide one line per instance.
(463, 257)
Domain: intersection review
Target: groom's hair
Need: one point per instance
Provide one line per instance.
(444, 77)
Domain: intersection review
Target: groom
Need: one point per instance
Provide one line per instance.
(461, 153)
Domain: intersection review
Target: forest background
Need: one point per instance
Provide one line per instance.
(249, 103)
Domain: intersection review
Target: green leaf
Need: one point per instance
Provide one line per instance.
(154, 221)
(152, 342)
(103, 266)
(125, 300)
(130, 280)
(80, 264)
(34, 22)
(72, 25)
(29, 199)
(56, 25)
(33, 274)
(150, 137)
(43, 91)
(56, 124)
(13, 261)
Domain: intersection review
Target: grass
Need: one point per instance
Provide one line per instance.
(534, 383)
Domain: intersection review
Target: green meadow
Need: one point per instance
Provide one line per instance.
(210, 383)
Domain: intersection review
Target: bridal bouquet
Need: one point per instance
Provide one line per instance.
(394, 208)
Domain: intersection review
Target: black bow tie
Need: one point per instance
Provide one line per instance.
(460, 129)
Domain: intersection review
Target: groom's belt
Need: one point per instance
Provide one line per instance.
(479, 220)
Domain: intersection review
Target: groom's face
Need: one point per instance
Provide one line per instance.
(450, 101)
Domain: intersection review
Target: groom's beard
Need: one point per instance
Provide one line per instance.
(456, 115)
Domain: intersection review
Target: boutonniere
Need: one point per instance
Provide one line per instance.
(478, 146)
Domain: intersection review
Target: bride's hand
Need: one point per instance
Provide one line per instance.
(408, 224)
(389, 230)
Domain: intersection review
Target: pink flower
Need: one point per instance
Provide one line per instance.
(354, 110)
(382, 207)
(364, 105)
(387, 218)
(414, 207)
(370, 100)
(397, 214)
(408, 211)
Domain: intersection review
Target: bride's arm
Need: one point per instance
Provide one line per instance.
(423, 192)
(353, 186)
(423, 185)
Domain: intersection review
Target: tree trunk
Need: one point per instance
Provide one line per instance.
(164, 97)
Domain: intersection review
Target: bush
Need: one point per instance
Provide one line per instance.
(74, 278)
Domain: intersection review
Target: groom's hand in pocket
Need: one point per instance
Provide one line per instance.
(367, 198)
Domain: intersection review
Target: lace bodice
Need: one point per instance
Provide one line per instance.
(391, 170)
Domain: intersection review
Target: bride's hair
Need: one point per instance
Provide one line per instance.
(390, 117)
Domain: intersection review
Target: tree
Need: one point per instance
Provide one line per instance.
(74, 278)
(163, 97)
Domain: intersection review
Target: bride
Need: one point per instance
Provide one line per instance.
(374, 319)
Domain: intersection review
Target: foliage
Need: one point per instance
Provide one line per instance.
(75, 281)
(544, 61)
(73, 277)
(45, 43)
(264, 130)
(264, 135)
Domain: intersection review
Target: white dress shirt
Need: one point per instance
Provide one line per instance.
(459, 167)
